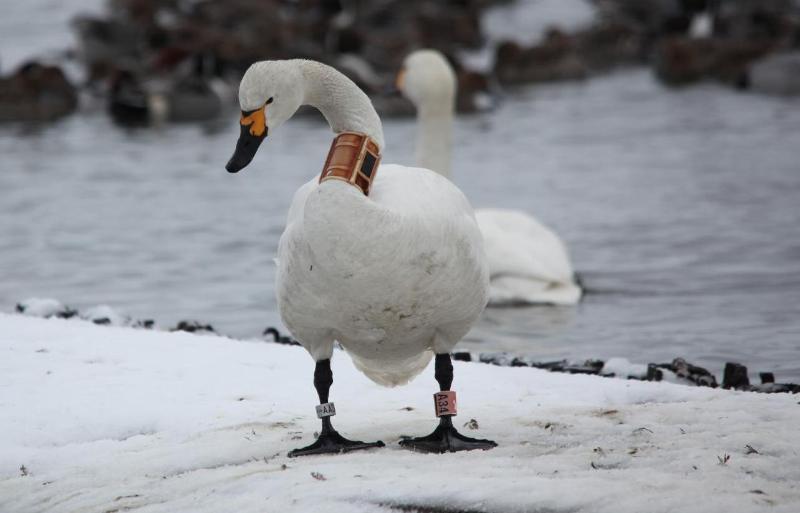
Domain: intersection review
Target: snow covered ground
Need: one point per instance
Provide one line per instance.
(107, 419)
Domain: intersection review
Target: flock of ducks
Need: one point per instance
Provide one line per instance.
(189, 92)
(390, 261)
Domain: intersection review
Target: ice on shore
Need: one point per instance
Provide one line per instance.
(104, 314)
(44, 307)
(100, 314)
(116, 419)
(623, 368)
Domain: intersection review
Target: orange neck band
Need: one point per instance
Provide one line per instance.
(353, 158)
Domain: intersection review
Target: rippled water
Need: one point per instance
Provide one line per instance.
(681, 210)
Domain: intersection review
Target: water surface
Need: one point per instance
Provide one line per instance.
(681, 210)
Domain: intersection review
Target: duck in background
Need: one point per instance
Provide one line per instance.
(528, 262)
(176, 86)
(36, 92)
(131, 104)
(105, 46)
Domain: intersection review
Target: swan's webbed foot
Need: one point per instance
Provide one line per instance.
(445, 438)
(331, 442)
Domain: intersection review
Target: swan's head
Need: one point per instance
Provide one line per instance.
(427, 79)
(269, 94)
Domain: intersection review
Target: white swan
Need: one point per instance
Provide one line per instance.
(395, 272)
(528, 262)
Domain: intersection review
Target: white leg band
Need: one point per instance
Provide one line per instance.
(326, 410)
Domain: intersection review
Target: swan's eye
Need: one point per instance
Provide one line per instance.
(270, 100)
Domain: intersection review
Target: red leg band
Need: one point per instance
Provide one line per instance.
(444, 403)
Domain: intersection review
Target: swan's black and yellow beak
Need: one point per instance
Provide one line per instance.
(253, 131)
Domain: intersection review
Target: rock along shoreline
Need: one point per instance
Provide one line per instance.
(735, 376)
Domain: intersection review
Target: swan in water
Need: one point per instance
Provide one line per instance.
(385, 259)
(528, 262)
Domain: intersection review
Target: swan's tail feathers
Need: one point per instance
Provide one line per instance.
(514, 291)
(393, 373)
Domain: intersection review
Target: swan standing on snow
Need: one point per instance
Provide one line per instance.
(528, 262)
(385, 259)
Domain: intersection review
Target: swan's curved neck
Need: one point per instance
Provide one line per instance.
(434, 136)
(345, 106)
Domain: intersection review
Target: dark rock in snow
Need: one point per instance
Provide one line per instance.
(682, 369)
(193, 327)
(506, 360)
(147, 324)
(278, 338)
(735, 376)
(587, 367)
(501, 359)
(654, 373)
(462, 356)
(693, 373)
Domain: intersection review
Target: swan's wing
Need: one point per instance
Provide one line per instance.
(390, 276)
(410, 211)
(519, 245)
(295, 216)
(292, 233)
(418, 192)
(299, 201)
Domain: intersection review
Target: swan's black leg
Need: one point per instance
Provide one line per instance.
(445, 438)
(329, 441)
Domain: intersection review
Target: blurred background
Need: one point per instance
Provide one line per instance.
(658, 138)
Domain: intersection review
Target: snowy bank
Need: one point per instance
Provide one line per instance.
(116, 419)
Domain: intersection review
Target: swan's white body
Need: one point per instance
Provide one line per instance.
(528, 262)
(393, 276)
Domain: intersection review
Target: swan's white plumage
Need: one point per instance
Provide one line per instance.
(393, 276)
(528, 262)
